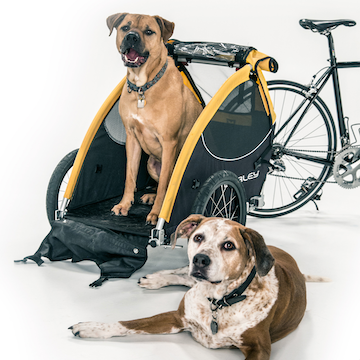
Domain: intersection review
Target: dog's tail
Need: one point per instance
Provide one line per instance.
(314, 278)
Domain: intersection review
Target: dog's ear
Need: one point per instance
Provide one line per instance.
(186, 228)
(166, 27)
(264, 261)
(113, 21)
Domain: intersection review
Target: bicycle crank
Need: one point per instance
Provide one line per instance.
(346, 168)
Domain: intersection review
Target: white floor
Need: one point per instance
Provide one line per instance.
(58, 66)
(42, 302)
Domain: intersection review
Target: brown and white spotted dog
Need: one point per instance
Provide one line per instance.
(243, 294)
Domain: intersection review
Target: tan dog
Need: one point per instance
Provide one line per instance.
(244, 294)
(157, 110)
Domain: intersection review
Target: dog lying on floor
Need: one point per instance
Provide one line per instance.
(157, 109)
(243, 294)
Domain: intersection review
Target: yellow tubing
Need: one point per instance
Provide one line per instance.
(207, 114)
(98, 119)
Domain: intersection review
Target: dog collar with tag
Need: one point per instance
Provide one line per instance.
(141, 89)
(234, 297)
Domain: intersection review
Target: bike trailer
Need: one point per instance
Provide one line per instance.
(219, 172)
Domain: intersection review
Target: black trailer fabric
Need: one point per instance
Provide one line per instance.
(117, 255)
(236, 139)
(102, 175)
(237, 136)
(100, 215)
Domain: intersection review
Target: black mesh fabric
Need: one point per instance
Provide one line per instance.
(239, 126)
(235, 139)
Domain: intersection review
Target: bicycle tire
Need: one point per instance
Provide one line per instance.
(222, 195)
(286, 190)
(57, 184)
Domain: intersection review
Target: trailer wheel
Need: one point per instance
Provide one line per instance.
(222, 195)
(57, 184)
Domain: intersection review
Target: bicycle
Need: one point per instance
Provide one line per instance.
(304, 151)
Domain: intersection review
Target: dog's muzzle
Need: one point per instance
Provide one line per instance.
(200, 266)
(131, 50)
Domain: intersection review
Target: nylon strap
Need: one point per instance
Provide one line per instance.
(236, 295)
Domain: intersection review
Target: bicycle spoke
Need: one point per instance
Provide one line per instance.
(226, 206)
(220, 206)
(224, 199)
(275, 187)
(234, 216)
(287, 190)
(281, 184)
(308, 137)
(216, 207)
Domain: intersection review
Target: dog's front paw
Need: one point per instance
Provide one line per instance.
(121, 209)
(152, 218)
(153, 281)
(97, 330)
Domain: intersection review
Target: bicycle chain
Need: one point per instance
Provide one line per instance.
(316, 151)
(295, 178)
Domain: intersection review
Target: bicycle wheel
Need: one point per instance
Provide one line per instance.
(57, 184)
(303, 149)
(222, 195)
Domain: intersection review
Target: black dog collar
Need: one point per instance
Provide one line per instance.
(234, 297)
(141, 89)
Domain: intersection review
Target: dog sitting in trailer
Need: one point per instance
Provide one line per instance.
(157, 109)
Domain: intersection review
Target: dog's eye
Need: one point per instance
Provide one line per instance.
(198, 238)
(125, 28)
(149, 32)
(228, 246)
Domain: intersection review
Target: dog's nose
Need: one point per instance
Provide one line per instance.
(132, 37)
(201, 260)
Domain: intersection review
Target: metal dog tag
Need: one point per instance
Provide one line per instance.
(141, 103)
(214, 327)
(141, 100)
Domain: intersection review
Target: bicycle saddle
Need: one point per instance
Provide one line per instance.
(323, 25)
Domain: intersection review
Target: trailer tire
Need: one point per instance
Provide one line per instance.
(57, 184)
(222, 195)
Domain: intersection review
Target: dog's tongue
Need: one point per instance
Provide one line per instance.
(132, 58)
(132, 55)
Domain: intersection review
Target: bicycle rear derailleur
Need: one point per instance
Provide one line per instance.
(346, 168)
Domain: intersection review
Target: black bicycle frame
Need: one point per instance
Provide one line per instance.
(332, 70)
(344, 135)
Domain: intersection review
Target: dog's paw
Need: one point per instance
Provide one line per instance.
(148, 199)
(121, 209)
(152, 218)
(153, 281)
(97, 330)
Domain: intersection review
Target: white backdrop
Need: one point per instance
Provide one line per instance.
(58, 65)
